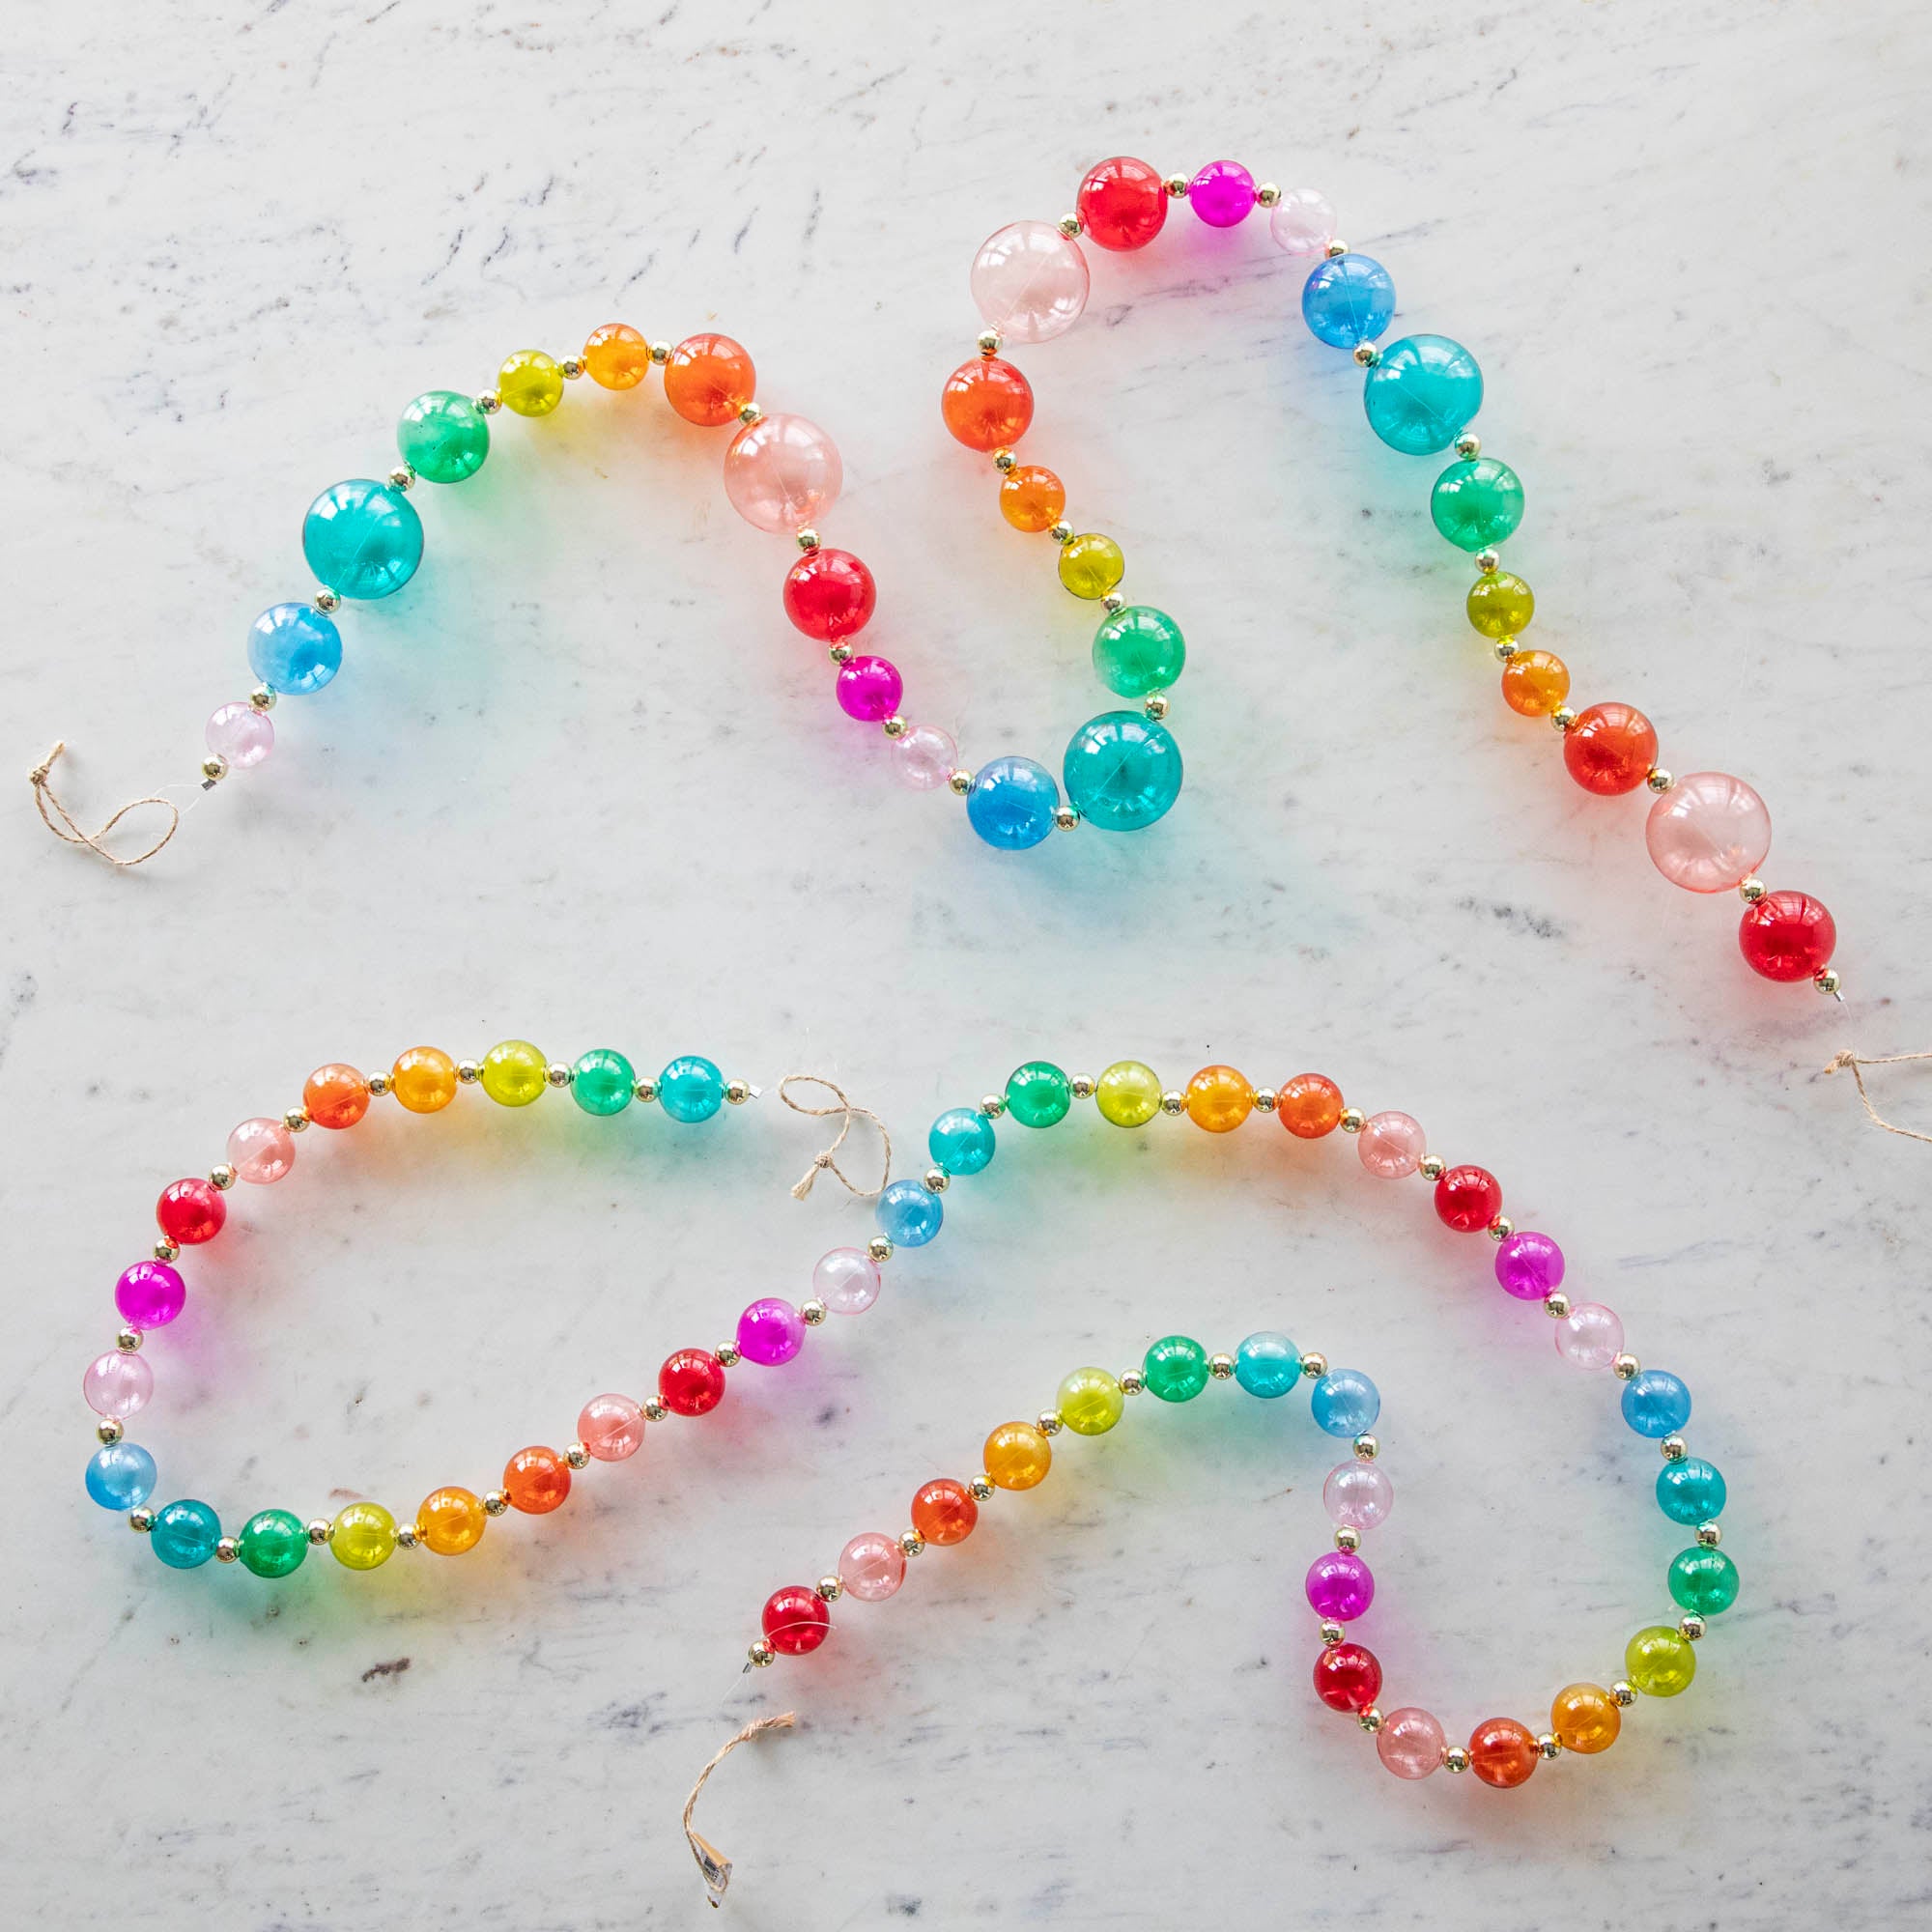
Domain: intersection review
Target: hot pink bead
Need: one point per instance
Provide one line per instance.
(1707, 831)
(869, 688)
(241, 734)
(150, 1295)
(1409, 1743)
(1222, 194)
(1529, 1266)
(261, 1152)
(1391, 1145)
(871, 1567)
(925, 758)
(770, 1331)
(1302, 223)
(1028, 281)
(847, 1280)
(1590, 1335)
(782, 474)
(117, 1384)
(612, 1426)
(1339, 1586)
(1357, 1494)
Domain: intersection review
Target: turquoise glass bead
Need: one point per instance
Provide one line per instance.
(1139, 650)
(1011, 803)
(444, 437)
(1345, 1402)
(690, 1088)
(1477, 504)
(1423, 393)
(120, 1476)
(909, 1214)
(602, 1081)
(1267, 1365)
(294, 648)
(1122, 771)
(1656, 1403)
(961, 1141)
(362, 539)
(1348, 300)
(1691, 1490)
(1703, 1581)
(185, 1535)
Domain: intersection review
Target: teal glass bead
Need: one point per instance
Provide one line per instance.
(1347, 300)
(362, 539)
(690, 1088)
(1656, 1403)
(1267, 1365)
(1691, 1490)
(185, 1535)
(1122, 771)
(1176, 1368)
(1703, 1581)
(294, 649)
(1423, 393)
(120, 1476)
(1011, 802)
(961, 1141)
(1039, 1093)
(909, 1214)
(272, 1542)
(1139, 650)
(444, 437)
(1345, 1402)
(1477, 504)
(602, 1081)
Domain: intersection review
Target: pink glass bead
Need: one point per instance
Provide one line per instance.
(782, 474)
(1590, 1335)
(770, 1331)
(241, 734)
(1707, 831)
(117, 1384)
(612, 1426)
(1222, 194)
(1302, 223)
(1409, 1743)
(150, 1295)
(847, 1280)
(871, 1567)
(1391, 1145)
(869, 689)
(925, 756)
(1357, 1494)
(1340, 1586)
(1030, 281)
(260, 1151)
(1529, 1266)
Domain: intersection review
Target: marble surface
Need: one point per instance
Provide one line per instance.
(583, 782)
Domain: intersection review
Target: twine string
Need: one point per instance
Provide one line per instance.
(713, 1866)
(848, 1111)
(61, 822)
(1857, 1063)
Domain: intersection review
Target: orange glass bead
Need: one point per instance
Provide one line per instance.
(1584, 1717)
(987, 402)
(1502, 1752)
(708, 380)
(942, 1513)
(1611, 749)
(617, 357)
(1535, 683)
(1219, 1100)
(423, 1079)
(335, 1096)
(1309, 1106)
(536, 1480)
(452, 1520)
(1017, 1456)
(1032, 498)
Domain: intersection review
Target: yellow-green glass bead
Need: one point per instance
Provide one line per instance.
(1128, 1093)
(1090, 565)
(1502, 605)
(513, 1073)
(530, 382)
(363, 1535)
(1090, 1401)
(1660, 1662)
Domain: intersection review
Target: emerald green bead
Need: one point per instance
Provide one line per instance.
(1477, 504)
(601, 1080)
(1703, 1580)
(272, 1542)
(1176, 1368)
(1138, 650)
(444, 437)
(1039, 1093)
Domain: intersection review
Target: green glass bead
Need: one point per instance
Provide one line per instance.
(1039, 1093)
(1138, 650)
(602, 1081)
(1176, 1368)
(272, 1542)
(1660, 1662)
(444, 437)
(513, 1073)
(1703, 1580)
(1477, 504)
(1090, 1401)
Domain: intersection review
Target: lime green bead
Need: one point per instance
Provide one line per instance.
(513, 1073)
(272, 1542)
(1502, 605)
(1659, 1661)
(444, 437)
(1128, 1093)
(1090, 565)
(1139, 650)
(1176, 1368)
(1090, 1401)
(530, 382)
(363, 1535)
(603, 1081)
(1039, 1093)
(1703, 1580)
(1478, 504)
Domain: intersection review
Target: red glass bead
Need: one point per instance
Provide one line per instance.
(829, 595)
(1611, 749)
(191, 1212)
(942, 1513)
(1122, 203)
(536, 1481)
(1787, 936)
(1502, 1753)
(1469, 1199)
(1348, 1677)
(987, 402)
(796, 1620)
(692, 1382)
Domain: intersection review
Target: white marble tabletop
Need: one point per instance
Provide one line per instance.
(582, 782)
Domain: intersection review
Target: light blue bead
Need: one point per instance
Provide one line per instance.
(1011, 803)
(294, 649)
(1423, 393)
(362, 538)
(961, 1141)
(1267, 1364)
(909, 1216)
(1691, 1490)
(1655, 1402)
(1122, 771)
(1345, 1402)
(120, 1476)
(185, 1535)
(1347, 300)
(690, 1088)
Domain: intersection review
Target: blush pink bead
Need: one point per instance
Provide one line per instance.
(117, 1384)
(847, 1280)
(1391, 1145)
(1590, 1335)
(261, 1152)
(1302, 223)
(1409, 1743)
(612, 1426)
(925, 758)
(1707, 831)
(1357, 1494)
(869, 688)
(1030, 281)
(782, 474)
(871, 1567)
(241, 734)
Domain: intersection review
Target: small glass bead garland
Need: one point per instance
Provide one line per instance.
(1707, 832)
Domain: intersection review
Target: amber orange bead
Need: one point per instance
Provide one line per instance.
(987, 402)
(1584, 1717)
(1018, 1456)
(1611, 749)
(335, 1096)
(708, 380)
(536, 1480)
(452, 1520)
(942, 1513)
(423, 1079)
(617, 357)
(1220, 1098)
(1309, 1106)
(1032, 498)
(1535, 683)
(1502, 1752)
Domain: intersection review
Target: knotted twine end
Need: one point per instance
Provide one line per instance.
(849, 1112)
(51, 810)
(713, 1866)
(1857, 1063)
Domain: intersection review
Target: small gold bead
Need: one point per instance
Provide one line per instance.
(811, 1312)
(981, 1489)
(1068, 225)
(1556, 1304)
(1348, 1539)
(750, 415)
(761, 1654)
(110, 1431)
(1502, 1228)
(1751, 889)
(737, 1092)
(1690, 1627)
(1352, 1121)
(1314, 1365)
(934, 1181)
(1485, 561)
(1081, 1086)
(227, 1550)
(1367, 355)
(879, 1248)
(320, 1530)
(1672, 1448)
(129, 1338)
(894, 727)
(960, 783)
(1549, 1744)
(1132, 1381)
(988, 342)
(1221, 1367)
(829, 1589)
(1456, 1758)
(141, 1519)
(1065, 817)
(571, 367)
(1469, 444)
(402, 477)
(221, 1175)
(1625, 1366)
(840, 653)
(379, 1084)
(262, 698)
(1267, 194)
(296, 1120)
(1062, 532)
(494, 1503)
(1176, 186)
(1267, 1099)
(1332, 1632)
(1050, 1422)
(1371, 1721)
(1433, 1167)
(1659, 780)
(727, 1355)
(1004, 461)
(1156, 705)
(214, 768)
(808, 541)
(407, 1536)
(911, 1543)
(645, 1091)
(1174, 1103)
(993, 1105)
(655, 1410)
(1113, 603)
(1827, 981)
(1366, 1448)
(326, 600)
(1505, 648)
(1562, 717)
(489, 402)
(1709, 1535)
(660, 353)
(1624, 1693)
(576, 1456)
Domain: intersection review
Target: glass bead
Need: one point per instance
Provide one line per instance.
(1340, 1585)
(274, 1543)
(184, 1534)
(1477, 504)
(1357, 1494)
(925, 756)
(1309, 1106)
(987, 403)
(530, 382)
(1122, 203)
(1500, 605)
(709, 379)
(1528, 1265)
(423, 1080)
(795, 1620)
(1535, 683)
(513, 1073)
(1139, 650)
(335, 1097)
(782, 473)
(1017, 1456)
(961, 1141)
(1032, 498)
(691, 1381)
(1655, 1402)
(611, 1427)
(1690, 1490)
(690, 1088)
(1267, 1364)
(1090, 1401)
(444, 437)
(1708, 832)
(1609, 749)
(362, 1536)
(1590, 1336)
(362, 539)
(1347, 300)
(1422, 393)
(1347, 1676)
(1703, 1581)
(1584, 1717)
(1028, 281)
(1122, 771)
(1222, 194)
(261, 1152)
(452, 1520)
(871, 1567)
(1127, 1093)
(1503, 1753)
(241, 734)
(1409, 1743)
(1468, 1199)
(770, 1332)
(944, 1513)
(120, 1475)
(1660, 1662)
(909, 1214)
(117, 1384)
(294, 649)
(829, 595)
(1011, 803)
(603, 1081)
(1302, 223)
(847, 1280)
(1787, 936)
(1176, 1368)
(191, 1212)
(1345, 1402)
(536, 1480)
(869, 689)
(1038, 1094)
(617, 357)
(1090, 565)
(1391, 1145)
(150, 1295)
(1220, 1098)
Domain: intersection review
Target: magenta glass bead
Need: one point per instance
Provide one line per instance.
(150, 1295)
(871, 1567)
(612, 1426)
(261, 1152)
(782, 474)
(925, 758)
(1222, 194)
(1708, 832)
(1529, 1266)
(1591, 1336)
(1410, 1742)
(241, 734)
(1391, 1145)
(770, 1332)
(117, 1384)
(847, 1280)
(869, 689)
(1340, 1586)
(1357, 1494)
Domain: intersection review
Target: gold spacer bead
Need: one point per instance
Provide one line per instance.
(1268, 195)
(408, 1535)
(1133, 1381)
(811, 1313)
(1337, 247)
(128, 1340)
(1709, 1535)
(655, 1410)
(1081, 1086)
(1065, 817)
(1672, 1449)
(934, 1181)
(1432, 1167)
(988, 342)
(1485, 561)
(1314, 1365)
(828, 1589)
(959, 784)
(1371, 1721)
(402, 477)
(1349, 1539)
(1367, 355)
(1156, 705)
(1332, 1634)
(141, 1519)
(1625, 1366)
(645, 1091)
(1267, 1099)
(1505, 648)
(1556, 1304)
(110, 1431)
(296, 1120)
(1502, 1228)
(1469, 444)
(571, 367)
(1366, 1448)
(1068, 225)
(1004, 461)
(1050, 1422)
(808, 540)
(727, 1355)
(1456, 1758)
(221, 1175)
(263, 698)
(1174, 1103)
(750, 415)
(1221, 1367)
(1352, 1121)
(1827, 981)
(227, 1550)
(326, 600)
(557, 1074)
(993, 1105)
(379, 1084)
(489, 402)
(1690, 1627)
(1752, 890)
(737, 1092)
(214, 769)
(576, 1456)
(1549, 1744)
(494, 1503)
(879, 1248)
(911, 1543)
(840, 653)
(981, 1489)
(1624, 1693)
(1659, 780)
(1176, 186)
(1062, 532)
(761, 1654)
(1562, 717)
(894, 727)
(320, 1529)
(660, 353)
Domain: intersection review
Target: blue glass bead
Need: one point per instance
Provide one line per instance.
(294, 649)
(690, 1088)
(1011, 803)
(185, 1535)
(120, 1476)
(1691, 1490)
(1122, 771)
(961, 1141)
(1267, 1364)
(362, 538)
(1655, 1402)
(1345, 1402)
(1423, 393)
(909, 1214)
(1347, 300)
